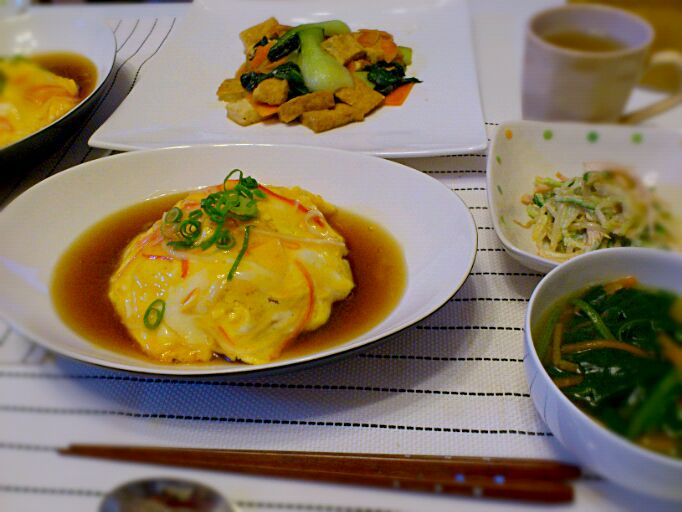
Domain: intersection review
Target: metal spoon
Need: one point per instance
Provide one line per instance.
(165, 495)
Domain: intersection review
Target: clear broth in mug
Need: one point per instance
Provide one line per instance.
(583, 41)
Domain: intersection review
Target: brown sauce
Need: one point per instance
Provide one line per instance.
(80, 282)
(70, 65)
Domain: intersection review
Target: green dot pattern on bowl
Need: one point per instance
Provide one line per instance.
(637, 138)
(547, 134)
(592, 137)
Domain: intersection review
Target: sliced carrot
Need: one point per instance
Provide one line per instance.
(268, 65)
(185, 268)
(367, 37)
(260, 55)
(263, 109)
(389, 48)
(397, 96)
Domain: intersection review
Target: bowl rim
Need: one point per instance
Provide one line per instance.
(104, 31)
(586, 420)
(313, 358)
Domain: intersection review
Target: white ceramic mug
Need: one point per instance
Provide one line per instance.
(574, 85)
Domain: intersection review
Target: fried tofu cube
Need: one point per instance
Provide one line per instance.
(323, 120)
(344, 48)
(252, 35)
(231, 90)
(243, 112)
(293, 108)
(272, 91)
(374, 55)
(360, 96)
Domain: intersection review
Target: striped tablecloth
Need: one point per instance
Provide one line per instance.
(453, 384)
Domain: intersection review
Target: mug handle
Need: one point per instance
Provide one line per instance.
(670, 57)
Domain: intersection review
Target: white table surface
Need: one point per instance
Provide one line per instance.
(467, 373)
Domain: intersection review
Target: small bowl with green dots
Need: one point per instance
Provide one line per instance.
(558, 190)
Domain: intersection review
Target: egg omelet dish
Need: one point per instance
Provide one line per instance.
(31, 97)
(238, 270)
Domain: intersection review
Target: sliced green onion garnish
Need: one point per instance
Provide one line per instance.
(181, 244)
(173, 215)
(227, 178)
(225, 240)
(242, 251)
(237, 202)
(190, 229)
(249, 182)
(154, 314)
(222, 238)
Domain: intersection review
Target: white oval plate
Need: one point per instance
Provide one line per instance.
(34, 33)
(434, 227)
(522, 150)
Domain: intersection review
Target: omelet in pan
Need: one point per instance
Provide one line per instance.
(31, 97)
(238, 270)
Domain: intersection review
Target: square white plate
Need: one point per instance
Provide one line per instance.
(522, 150)
(174, 102)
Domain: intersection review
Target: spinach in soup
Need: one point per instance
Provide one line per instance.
(615, 350)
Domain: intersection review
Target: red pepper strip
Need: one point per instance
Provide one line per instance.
(153, 238)
(189, 295)
(185, 268)
(292, 202)
(311, 292)
(311, 302)
(157, 257)
(227, 337)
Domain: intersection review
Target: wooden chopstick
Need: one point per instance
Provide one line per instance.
(517, 479)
